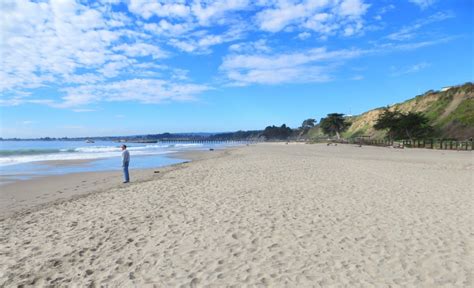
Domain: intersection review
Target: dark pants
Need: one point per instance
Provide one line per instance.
(126, 176)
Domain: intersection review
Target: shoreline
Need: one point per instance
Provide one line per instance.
(24, 196)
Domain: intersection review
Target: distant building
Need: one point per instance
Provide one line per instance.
(446, 88)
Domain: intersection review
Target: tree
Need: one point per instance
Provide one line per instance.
(306, 126)
(334, 124)
(415, 125)
(400, 125)
(388, 120)
(273, 132)
(308, 123)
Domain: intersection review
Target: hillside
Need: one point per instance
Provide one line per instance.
(451, 113)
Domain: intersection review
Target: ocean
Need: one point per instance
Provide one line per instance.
(21, 160)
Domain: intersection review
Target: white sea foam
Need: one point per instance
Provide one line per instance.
(81, 153)
(88, 152)
(188, 145)
(101, 149)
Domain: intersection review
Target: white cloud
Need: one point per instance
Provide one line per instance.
(148, 91)
(353, 8)
(409, 32)
(187, 46)
(304, 35)
(186, 15)
(180, 74)
(179, 17)
(44, 42)
(86, 78)
(206, 11)
(286, 60)
(251, 47)
(410, 69)
(313, 65)
(82, 48)
(423, 4)
(384, 10)
(413, 45)
(274, 20)
(201, 41)
(63, 43)
(140, 50)
(113, 68)
(352, 29)
(148, 8)
(279, 75)
(324, 17)
(167, 28)
(117, 20)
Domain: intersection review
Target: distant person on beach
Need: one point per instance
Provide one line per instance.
(125, 162)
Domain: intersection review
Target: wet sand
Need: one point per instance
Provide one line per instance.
(25, 196)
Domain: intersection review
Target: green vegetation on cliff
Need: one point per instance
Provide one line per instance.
(450, 112)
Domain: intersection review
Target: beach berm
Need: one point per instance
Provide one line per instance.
(261, 215)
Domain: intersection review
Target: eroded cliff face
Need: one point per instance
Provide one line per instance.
(451, 113)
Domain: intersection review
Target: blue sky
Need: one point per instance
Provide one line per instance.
(111, 67)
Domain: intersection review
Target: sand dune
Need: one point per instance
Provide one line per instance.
(266, 215)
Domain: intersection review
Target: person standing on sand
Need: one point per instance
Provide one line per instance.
(125, 162)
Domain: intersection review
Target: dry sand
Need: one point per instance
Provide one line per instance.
(266, 215)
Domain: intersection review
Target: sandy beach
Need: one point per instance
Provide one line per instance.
(25, 196)
(263, 215)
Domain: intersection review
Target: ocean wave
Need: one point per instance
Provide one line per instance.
(156, 146)
(28, 152)
(18, 156)
(187, 145)
(101, 149)
(19, 159)
(98, 149)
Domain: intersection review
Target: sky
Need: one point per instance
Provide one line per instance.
(112, 67)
